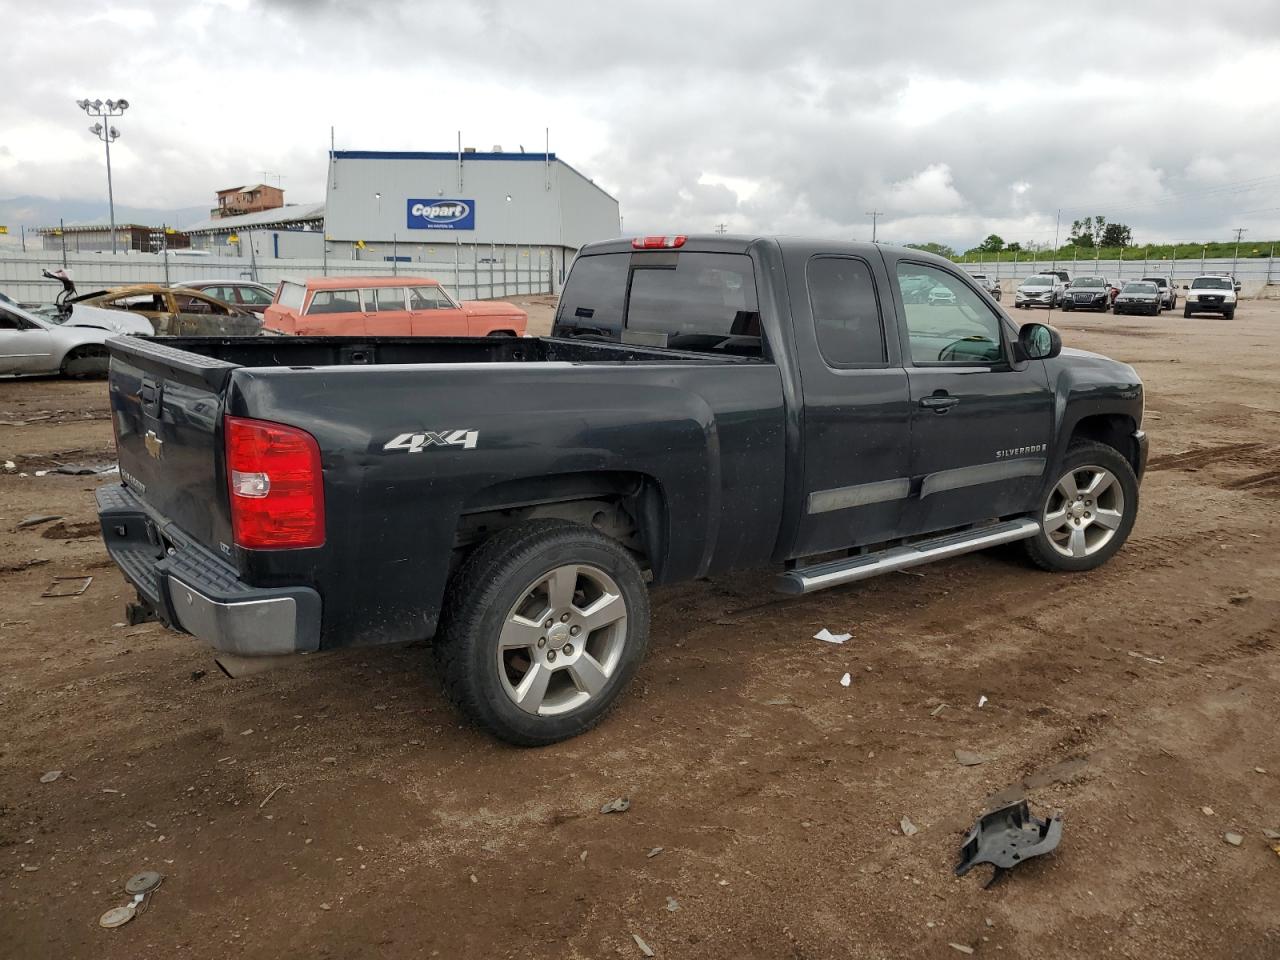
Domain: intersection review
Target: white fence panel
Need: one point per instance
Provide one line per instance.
(1255, 274)
(20, 273)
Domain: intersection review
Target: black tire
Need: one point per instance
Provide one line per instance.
(1229, 313)
(486, 588)
(1186, 313)
(1080, 456)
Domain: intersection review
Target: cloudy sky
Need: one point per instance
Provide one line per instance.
(955, 120)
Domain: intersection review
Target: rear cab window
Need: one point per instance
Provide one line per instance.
(291, 295)
(683, 300)
(846, 312)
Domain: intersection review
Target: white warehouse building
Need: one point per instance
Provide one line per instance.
(484, 212)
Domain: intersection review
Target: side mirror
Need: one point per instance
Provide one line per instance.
(1038, 341)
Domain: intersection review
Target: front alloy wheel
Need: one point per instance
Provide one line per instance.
(1084, 511)
(1088, 513)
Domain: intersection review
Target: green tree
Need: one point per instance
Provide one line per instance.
(1014, 247)
(1087, 232)
(1117, 235)
(993, 244)
(941, 249)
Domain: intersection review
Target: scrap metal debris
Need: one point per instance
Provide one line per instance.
(67, 586)
(967, 758)
(1234, 839)
(909, 829)
(51, 776)
(644, 947)
(35, 519)
(141, 887)
(1006, 837)
(937, 710)
(620, 805)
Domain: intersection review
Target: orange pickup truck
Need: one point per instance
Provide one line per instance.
(386, 306)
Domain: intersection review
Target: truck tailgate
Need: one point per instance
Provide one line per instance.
(166, 408)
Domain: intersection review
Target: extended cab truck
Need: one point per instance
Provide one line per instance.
(704, 404)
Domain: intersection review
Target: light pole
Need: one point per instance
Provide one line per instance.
(106, 110)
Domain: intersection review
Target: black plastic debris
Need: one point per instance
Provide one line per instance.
(1007, 837)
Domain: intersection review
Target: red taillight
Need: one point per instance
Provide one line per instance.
(658, 243)
(277, 489)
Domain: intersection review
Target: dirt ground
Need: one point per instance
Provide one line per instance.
(337, 808)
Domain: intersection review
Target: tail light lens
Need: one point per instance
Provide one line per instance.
(277, 489)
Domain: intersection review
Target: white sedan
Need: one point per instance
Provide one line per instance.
(72, 344)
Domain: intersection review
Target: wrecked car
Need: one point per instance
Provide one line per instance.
(176, 313)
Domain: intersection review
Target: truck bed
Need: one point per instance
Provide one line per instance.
(222, 354)
(549, 419)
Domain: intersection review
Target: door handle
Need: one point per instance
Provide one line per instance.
(939, 404)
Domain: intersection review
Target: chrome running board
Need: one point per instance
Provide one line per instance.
(834, 573)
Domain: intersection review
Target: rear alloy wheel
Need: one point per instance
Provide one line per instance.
(1088, 514)
(543, 627)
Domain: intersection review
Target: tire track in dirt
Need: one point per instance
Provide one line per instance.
(1201, 457)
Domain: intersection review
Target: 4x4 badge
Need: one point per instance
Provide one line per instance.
(417, 442)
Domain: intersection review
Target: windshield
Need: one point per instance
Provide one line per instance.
(1211, 283)
(1139, 287)
(1038, 282)
(1088, 282)
(1158, 281)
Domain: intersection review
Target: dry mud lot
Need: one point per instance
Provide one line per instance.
(337, 808)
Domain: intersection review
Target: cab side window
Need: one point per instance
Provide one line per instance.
(846, 312)
(947, 322)
(9, 322)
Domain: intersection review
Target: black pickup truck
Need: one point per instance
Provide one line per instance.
(704, 404)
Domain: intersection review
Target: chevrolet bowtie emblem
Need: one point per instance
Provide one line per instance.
(155, 446)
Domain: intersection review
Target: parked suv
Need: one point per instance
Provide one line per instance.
(1211, 294)
(1087, 293)
(989, 284)
(387, 306)
(1168, 291)
(1042, 290)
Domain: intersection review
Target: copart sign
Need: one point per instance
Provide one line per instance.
(442, 214)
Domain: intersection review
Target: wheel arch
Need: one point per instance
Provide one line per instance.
(628, 506)
(1116, 430)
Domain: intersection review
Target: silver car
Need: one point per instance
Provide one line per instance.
(70, 344)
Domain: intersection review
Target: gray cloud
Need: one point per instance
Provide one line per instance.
(953, 120)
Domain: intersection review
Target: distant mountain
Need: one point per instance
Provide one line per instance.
(34, 212)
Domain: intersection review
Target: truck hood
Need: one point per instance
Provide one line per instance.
(492, 308)
(1106, 368)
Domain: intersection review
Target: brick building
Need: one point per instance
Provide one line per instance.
(237, 201)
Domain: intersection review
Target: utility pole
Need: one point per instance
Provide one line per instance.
(722, 228)
(874, 215)
(1057, 224)
(1240, 232)
(106, 110)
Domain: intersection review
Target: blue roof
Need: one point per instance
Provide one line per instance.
(435, 155)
